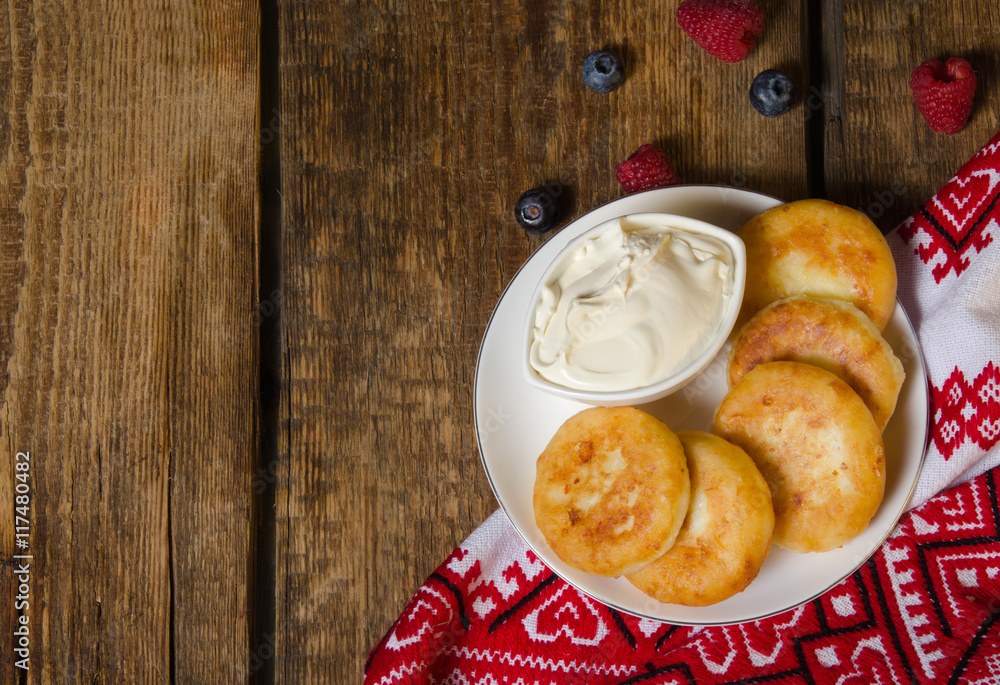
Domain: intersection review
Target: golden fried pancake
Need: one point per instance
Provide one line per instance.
(611, 490)
(726, 535)
(831, 334)
(816, 247)
(817, 446)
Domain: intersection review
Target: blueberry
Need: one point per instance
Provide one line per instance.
(772, 93)
(603, 71)
(536, 210)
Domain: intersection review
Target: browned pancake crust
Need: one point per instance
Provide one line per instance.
(611, 490)
(817, 446)
(816, 247)
(726, 534)
(831, 334)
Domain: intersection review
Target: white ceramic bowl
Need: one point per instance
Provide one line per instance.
(665, 386)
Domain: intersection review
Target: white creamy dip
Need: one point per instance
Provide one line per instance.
(630, 307)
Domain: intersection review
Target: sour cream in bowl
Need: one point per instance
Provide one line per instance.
(633, 309)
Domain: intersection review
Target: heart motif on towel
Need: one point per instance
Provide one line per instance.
(958, 219)
(569, 614)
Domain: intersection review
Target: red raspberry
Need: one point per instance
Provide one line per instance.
(944, 93)
(646, 168)
(725, 28)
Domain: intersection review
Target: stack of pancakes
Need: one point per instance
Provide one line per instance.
(795, 456)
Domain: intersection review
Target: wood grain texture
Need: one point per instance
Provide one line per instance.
(128, 157)
(129, 151)
(409, 129)
(883, 158)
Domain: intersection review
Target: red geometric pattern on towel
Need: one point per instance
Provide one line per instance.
(924, 609)
(964, 411)
(960, 218)
(948, 263)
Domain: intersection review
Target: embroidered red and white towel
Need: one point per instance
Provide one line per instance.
(923, 609)
(948, 263)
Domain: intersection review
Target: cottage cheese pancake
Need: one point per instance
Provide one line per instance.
(611, 490)
(726, 535)
(817, 446)
(816, 247)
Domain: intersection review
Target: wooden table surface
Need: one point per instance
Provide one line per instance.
(249, 251)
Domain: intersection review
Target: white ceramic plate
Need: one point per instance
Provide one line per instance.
(514, 422)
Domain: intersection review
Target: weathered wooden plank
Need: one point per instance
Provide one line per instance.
(408, 131)
(889, 161)
(128, 244)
